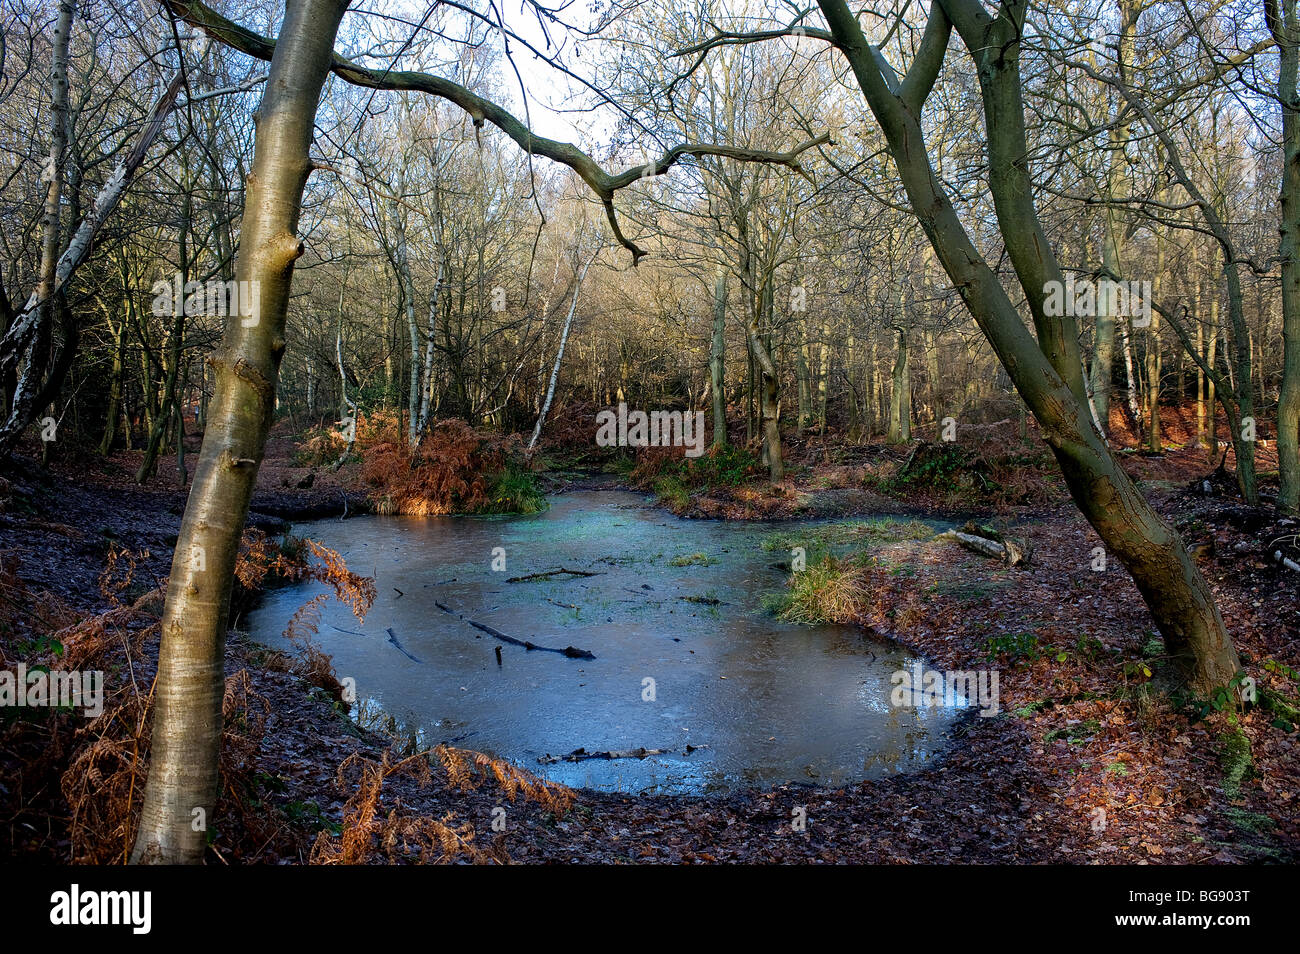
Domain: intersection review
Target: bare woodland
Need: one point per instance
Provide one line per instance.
(839, 222)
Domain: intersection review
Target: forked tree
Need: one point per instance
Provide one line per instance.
(1045, 366)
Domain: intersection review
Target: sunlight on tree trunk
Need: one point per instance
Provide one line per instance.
(181, 793)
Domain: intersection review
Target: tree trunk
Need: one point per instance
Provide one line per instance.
(1177, 595)
(717, 351)
(1153, 373)
(559, 355)
(900, 395)
(172, 362)
(1103, 355)
(115, 388)
(1200, 388)
(426, 386)
(182, 789)
(823, 378)
(802, 377)
(39, 318)
(770, 386)
(1212, 425)
(1286, 33)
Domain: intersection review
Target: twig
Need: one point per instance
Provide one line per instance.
(392, 638)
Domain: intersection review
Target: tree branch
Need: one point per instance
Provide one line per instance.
(481, 110)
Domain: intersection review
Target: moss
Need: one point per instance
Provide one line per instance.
(1234, 760)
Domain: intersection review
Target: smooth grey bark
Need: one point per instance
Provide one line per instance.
(427, 382)
(185, 744)
(823, 377)
(559, 355)
(900, 393)
(1103, 357)
(347, 407)
(28, 335)
(768, 382)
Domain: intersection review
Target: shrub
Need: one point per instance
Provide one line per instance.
(989, 471)
(320, 447)
(727, 466)
(671, 492)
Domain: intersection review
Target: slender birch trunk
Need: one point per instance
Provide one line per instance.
(559, 356)
(426, 385)
(717, 351)
(31, 329)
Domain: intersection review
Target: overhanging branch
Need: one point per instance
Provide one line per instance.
(480, 110)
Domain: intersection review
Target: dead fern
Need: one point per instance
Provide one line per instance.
(452, 471)
(467, 769)
(370, 835)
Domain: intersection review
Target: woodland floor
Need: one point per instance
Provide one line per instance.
(1083, 726)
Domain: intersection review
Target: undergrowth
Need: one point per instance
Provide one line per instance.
(673, 477)
(455, 469)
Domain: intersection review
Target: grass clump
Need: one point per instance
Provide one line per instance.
(828, 591)
(672, 492)
(692, 559)
(515, 490)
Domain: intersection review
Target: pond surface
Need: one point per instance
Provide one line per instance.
(738, 699)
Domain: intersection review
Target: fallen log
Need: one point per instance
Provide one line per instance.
(1006, 551)
(1286, 561)
(582, 755)
(550, 573)
(572, 652)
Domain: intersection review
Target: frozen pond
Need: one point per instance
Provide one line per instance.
(759, 701)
